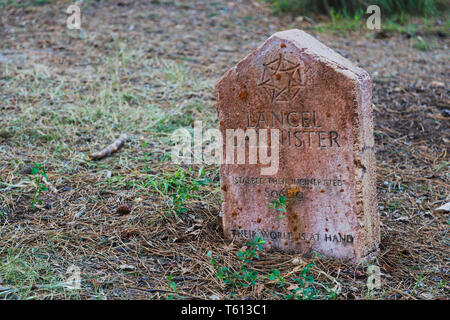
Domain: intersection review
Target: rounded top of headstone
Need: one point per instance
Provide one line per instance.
(312, 46)
(296, 45)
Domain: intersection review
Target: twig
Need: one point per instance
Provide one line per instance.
(116, 145)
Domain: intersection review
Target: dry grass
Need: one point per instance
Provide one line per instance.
(135, 69)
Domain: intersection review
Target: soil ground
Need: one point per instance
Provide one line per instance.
(146, 68)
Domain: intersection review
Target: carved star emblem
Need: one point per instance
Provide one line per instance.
(281, 79)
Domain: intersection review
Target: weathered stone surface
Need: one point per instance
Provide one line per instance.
(322, 105)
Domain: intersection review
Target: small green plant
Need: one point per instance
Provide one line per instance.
(39, 174)
(250, 251)
(244, 276)
(422, 44)
(3, 215)
(172, 287)
(304, 290)
(179, 186)
(394, 205)
(279, 205)
(439, 285)
(276, 276)
(420, 279)
(166, 157)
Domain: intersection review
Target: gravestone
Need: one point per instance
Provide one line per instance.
(302, 115)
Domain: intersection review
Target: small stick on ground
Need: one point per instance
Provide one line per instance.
(113, 147)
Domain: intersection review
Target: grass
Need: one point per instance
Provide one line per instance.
(351, 7)
(60, 119)
(21, 3)
(342, 23)
(403, 23)
(107, 107)
(422, 44)
(28, 275)
(67, 94)
(410, 17)
(180, 187)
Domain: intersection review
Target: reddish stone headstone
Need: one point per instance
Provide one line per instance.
(320, 193)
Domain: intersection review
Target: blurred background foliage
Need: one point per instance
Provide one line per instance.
(352, 7)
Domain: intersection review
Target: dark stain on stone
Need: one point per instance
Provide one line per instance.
(243, 94)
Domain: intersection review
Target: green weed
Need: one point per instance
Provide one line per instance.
(304, 290)
(243, 276)
(276, 276)
(422, 45)
(39, 175)
(173, 288)
(279, 205)
(179, 186)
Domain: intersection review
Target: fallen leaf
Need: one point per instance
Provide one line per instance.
(292, 287)
(123, 209)
(437, 84)
(443, 208)
(126, 267)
